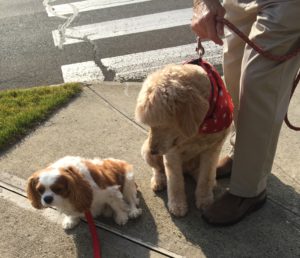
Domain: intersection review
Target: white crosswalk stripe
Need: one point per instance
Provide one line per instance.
(126, 65)
(134, 66)
(90, 5)
(127, 26)
(82, 72)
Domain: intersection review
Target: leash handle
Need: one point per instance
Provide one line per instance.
(267, 55)
(93, 231)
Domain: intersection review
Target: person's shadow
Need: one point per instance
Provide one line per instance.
(273, 231)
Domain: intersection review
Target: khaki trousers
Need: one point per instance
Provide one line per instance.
(260, 88)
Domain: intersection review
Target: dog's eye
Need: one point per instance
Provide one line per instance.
(41, 190)
(57, 189)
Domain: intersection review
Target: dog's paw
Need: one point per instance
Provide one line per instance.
(134, 213)
(70, 222)
(158, 183)
(121, 218)
(178, 209)
(202, 202)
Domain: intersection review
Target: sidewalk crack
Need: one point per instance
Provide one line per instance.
(132, 121)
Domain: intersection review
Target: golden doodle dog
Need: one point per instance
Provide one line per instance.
(175, 103)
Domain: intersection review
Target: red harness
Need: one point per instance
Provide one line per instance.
(220, 113)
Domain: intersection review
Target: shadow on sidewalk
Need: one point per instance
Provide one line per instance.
(272, 231)
(117, 244)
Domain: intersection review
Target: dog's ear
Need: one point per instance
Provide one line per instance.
(190, 114)
(32, 192)
(80, 192)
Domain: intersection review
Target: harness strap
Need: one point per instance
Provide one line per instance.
(220, 113)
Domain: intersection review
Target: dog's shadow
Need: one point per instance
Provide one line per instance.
(116, 241)
(270, 232)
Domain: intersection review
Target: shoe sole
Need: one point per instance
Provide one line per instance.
(252, 209)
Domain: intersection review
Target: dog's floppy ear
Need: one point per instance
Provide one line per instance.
(79, 190)
(32, 192)
(190, 114)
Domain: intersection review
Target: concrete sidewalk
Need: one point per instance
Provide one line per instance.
(100, 123)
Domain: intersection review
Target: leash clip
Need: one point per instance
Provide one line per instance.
(199, 48)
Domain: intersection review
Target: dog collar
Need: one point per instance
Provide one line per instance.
(220, 113)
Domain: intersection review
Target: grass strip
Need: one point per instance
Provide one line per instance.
(23, 109)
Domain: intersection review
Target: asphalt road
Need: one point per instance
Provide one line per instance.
(28, 56)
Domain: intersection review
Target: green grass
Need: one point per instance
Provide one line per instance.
(22, 109)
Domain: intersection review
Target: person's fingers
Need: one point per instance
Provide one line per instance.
(212, 33)
(204, 22)
(198, 27)
(220, 29)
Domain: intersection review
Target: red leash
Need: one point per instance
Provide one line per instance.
(92, 227)
(256, 47)
(266, 55)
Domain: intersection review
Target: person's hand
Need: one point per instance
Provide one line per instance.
(204, 22)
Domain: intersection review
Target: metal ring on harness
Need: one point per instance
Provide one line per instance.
(199, 48)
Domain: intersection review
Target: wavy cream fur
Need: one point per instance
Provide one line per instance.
(173, 102)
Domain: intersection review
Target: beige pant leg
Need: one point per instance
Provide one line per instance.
(264, 95)
(242, 16)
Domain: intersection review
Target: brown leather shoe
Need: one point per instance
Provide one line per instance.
(230, 209)
(224, 168)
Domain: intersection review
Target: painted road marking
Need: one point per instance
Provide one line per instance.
(138, 65)
(85, 6)
(126, 26)
(82, 72)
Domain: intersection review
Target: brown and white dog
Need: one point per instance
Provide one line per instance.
(75, 185)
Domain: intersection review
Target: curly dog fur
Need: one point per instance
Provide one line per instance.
(173, 102)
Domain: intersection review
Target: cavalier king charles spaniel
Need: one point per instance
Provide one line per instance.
(75, 185)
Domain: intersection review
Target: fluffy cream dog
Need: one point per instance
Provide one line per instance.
(174, 103)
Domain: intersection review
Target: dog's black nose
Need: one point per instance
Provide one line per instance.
(48, 199)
